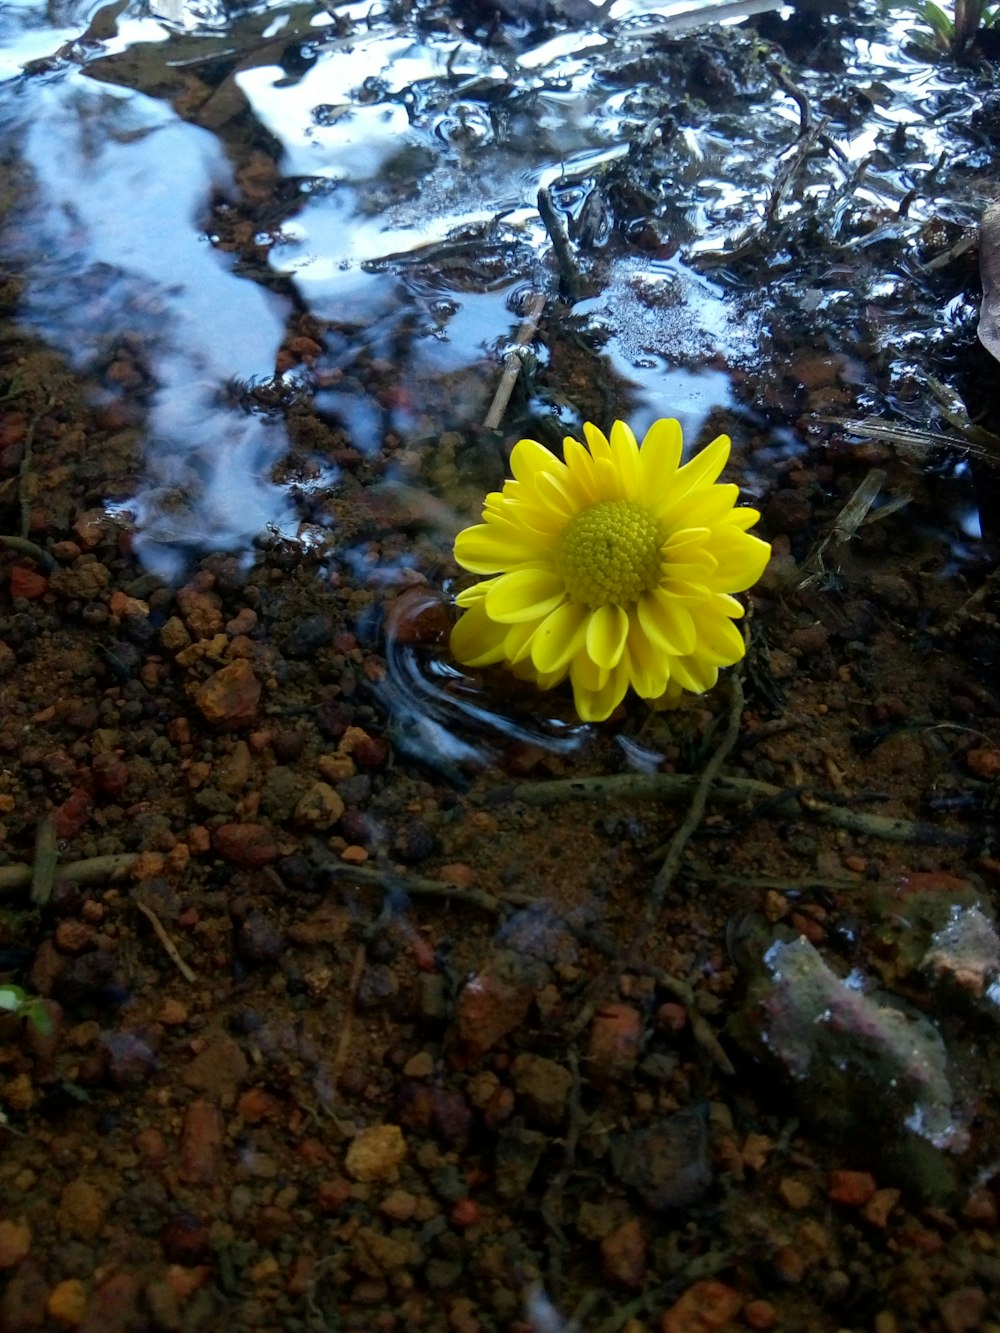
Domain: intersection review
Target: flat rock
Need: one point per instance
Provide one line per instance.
(497, 999)
(668, 1162)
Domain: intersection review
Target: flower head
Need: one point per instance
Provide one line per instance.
(614, 566)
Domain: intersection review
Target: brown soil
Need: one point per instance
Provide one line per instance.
(349, 1034)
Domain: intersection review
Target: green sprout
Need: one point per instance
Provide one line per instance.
(957, 35)
(14, 1000)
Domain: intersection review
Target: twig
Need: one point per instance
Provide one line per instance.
(800, 98)
(24, 546)
(701, 1029)
(565, 258)
(416, 886)
(169, 947)
(727, 791)
(344, 1040)
(512, 366)
(93, 870)
(43, 872)
(695, 814)
(845, 526)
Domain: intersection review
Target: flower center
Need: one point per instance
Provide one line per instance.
(610, 552)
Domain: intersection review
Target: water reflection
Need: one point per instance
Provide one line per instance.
(120, 188)
(403, 162)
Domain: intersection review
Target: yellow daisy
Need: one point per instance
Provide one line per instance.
(613, 566)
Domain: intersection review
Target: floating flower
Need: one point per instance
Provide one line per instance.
(613, 566)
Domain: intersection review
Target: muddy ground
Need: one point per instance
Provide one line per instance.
(354, 1026)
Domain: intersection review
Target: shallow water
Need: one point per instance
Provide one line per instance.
(402, 160)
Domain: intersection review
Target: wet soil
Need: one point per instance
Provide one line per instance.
(358, 1017)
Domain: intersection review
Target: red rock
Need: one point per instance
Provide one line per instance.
(15, 1241)
(67, 1303)
(851, 1188)
(25, 582)
(982, 763)
(201, 1144)
(113, 1307)
(465, 1213)
(880, 1205)
(760, 1315)
(963, 1310)
(73, 936)
(331, 1195)
(705, 1306)
(82, 1209)
(980, 1208)
(623, 1253)
(72, 815)
(152, 1146)
(256, 1105)
(248, 846)
(90, 527)
(615, 1039)
(201, 611)
(671, 1017)
(110, 774)
(186, 1281)
(229, 698)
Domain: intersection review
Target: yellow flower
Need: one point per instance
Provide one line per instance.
(613, 566)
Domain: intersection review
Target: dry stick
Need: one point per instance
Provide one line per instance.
(512, 366)
(93, 870)
(701, 1029)
(24, 546)
(565, 258)
(169, 947)
(344, 1040)
(43, 872)
(729, 791)
(415, 886)
(695, 814)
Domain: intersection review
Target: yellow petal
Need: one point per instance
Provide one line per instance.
(528, 458)
(491, 547)
(726, 606)
(476, 640)
(559, 638)
(587, 673)
(701, 571)
(667, 622)
(694, 673)
(597, 442)
(719, 640)
(607, 630)
(477, 593)
(744, 517)
(741, 558)
(625, 453)
(556, 494)
(699, 508)
(596, 704)
(517, 640)
(648, 668)
(659, 455)
(524, 594)
(677, 543)
(698, 472)
(582, 472)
